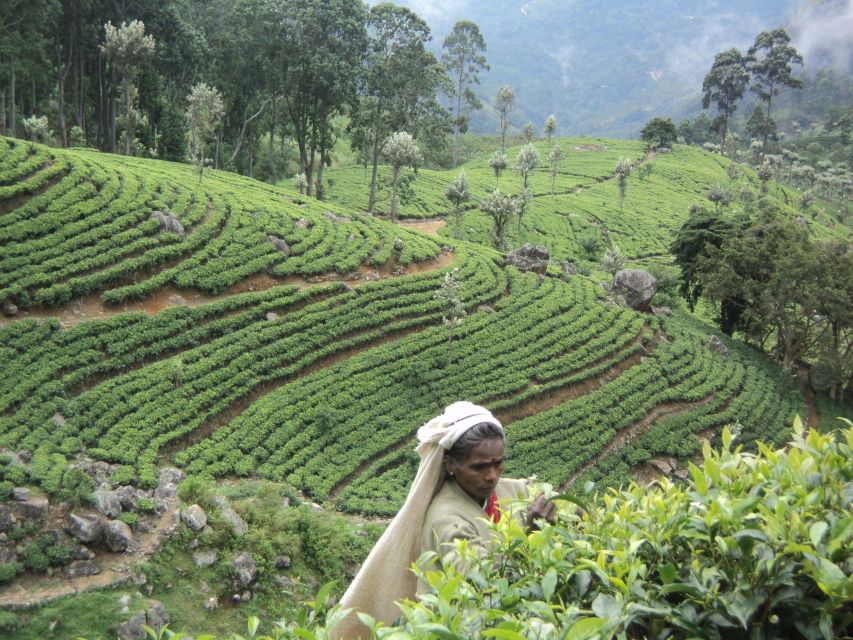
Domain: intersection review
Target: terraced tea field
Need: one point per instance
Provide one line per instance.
(313, 347)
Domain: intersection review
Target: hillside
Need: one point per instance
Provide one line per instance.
(299, 341)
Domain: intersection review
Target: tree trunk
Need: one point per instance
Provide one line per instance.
(458, 116)
(2, 110)
(11, 122)
(395, 175)
(371, 201)
(767, 122)
(270, 156)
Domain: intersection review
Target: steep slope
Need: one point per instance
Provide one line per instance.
(323, 386)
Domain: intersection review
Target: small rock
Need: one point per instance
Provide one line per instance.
(58, 419)
(133, 628)
(156, 615)
(530, 257)
(245, 570)
(682, 474)
(33, 509)
(117, 536)
(127, 496)
(662, 465)
(178, 300)
(194, 543)
(3, 538)
(280, 245)
(203, 587)
(246, 596)
(485, 308)
(302, 223)
(82, 552)
(569, 268)
(25, 456)
(7, 518)
(238, 525)
(211, 604)
(107, 503)
(125, 600)
(85, 527)
(717, 344)
(445, 249)
(8, 556)
(398, 245)
(662, 311)
(9, 308)
(82, 568)
(271, 315)
(20, 494)
(282, 562)
(636, 286)
(166, 491)
(205, 558)
(194, 517)
(337, 219)
(285, 502)
(316, 507)
(171, 475)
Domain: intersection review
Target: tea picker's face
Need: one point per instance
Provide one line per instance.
(480, 470)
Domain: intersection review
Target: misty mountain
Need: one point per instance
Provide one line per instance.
(607, 68)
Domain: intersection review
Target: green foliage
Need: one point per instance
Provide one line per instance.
(195, 490)
(659, 132)
(8, 571)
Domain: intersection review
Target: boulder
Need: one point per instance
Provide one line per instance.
(245, 570)
(717, 344)
(32, 509)
(205, 557)
(58, 419)
(282, 562)
(271, 315)
(86, 527)
(398, 245)
(107, 503)
(166, 491)
(82, 568)
(337, 219)
(7, 518)
(117, 536)
(20, 494)
(279, 244)
(194, 517)
(302, 223)
(569, 268)
(530, 257)
(9, 308)
(168, 223)
(127, 497)
(25, 456)
(8, 556)
(662, 311)
(133, 629)
(238, 525)
(663, 465)
(171, 475)
(636, 286)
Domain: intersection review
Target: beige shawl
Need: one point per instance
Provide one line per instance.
(386, 576)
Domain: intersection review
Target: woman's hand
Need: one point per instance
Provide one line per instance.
(540, 509)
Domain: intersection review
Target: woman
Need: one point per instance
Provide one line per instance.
(455, 492)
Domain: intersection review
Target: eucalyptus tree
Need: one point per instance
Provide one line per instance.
(498, 163)
(452, 309)
(457, 192)
(550, 127)
(204, 114)
(770, 61)
(725, 85)
(505, 104)
(554, 158)
(501, 209)
(399, 85)
(127, 47)
(525, 162)
(464, 60)
(528, 132)
(400, 150)
(621, 172)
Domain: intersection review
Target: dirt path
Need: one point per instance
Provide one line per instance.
(429, 226)
(93, 308)
(115, 569)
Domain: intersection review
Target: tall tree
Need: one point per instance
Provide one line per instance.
(464, 60)
(204, 113)
(550, 127)
(401, 151)
(770, 61)
(505, 104)
(724, 85)
(127, 47)
(500, 208)
(525, 162)
(621, 173)
(398, 89)
(457, 192)
(555, 155)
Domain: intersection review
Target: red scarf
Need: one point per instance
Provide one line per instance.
(491, 508)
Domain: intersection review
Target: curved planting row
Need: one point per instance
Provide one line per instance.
(168, 375)
(78, 222)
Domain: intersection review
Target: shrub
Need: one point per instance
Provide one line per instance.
(6, 489)
(130, 519)
(195, 490)
(34, 558)
(8, 619)
(145, 504)
(8, 571)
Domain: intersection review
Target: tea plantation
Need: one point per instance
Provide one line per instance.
(240, 330)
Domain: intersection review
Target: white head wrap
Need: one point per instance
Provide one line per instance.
(385, 576)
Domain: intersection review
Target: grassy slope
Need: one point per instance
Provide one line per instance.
(327, 396)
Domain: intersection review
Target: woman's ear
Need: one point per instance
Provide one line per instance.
(447, 467)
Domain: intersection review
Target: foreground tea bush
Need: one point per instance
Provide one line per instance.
(754, 546)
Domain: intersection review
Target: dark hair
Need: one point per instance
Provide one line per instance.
(468, 440)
